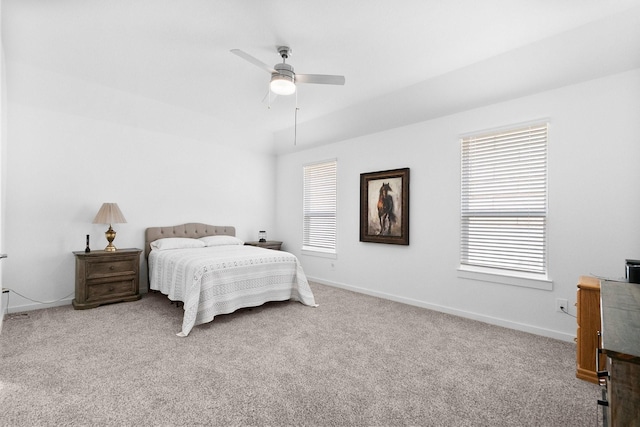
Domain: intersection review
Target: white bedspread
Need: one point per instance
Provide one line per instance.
(221, 279)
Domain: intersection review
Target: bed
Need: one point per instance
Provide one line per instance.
(212, 272)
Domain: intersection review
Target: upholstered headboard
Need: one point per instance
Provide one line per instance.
(192, 230)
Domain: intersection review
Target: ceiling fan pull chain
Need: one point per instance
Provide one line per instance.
(267, 97)
(295, 123)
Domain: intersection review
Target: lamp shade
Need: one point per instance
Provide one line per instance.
(109, 213)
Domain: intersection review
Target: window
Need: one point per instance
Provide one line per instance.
(320, 207)
(504, 200)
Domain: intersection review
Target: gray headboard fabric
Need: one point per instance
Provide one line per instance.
(192, 230)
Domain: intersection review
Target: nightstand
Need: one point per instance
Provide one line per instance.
(269, 244)
(106, 277)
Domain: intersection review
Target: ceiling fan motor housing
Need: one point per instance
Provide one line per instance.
(283, 80)
(284, 70)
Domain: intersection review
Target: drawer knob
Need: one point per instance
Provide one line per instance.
(111, 267)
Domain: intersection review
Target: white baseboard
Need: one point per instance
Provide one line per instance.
(562, 336)
(37, 306)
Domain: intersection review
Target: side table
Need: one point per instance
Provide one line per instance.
(106, 277)
(269, 244)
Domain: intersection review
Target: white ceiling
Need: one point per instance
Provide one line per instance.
(404, 60)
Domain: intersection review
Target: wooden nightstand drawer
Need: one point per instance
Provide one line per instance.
(103, 268)
(106, 277)
(108, 290)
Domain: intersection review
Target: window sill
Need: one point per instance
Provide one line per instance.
(319, 253)
(526, 280)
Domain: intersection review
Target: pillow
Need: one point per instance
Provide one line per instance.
(220, 240)
(176, 243)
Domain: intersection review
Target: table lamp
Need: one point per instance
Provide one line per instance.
(109, 213)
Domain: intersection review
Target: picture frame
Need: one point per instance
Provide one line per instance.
(384, 207)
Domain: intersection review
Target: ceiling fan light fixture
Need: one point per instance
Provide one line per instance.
(282, 85)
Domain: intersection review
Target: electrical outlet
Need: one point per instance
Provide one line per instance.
(562, 305)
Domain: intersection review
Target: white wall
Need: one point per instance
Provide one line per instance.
(3, 137)
(594, 208)
(61, 166)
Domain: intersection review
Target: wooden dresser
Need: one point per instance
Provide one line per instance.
(106, 277)
(620, 302)
(587, 338)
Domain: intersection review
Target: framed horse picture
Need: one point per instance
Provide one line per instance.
(384, 207)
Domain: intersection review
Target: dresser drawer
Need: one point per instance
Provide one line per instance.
(112, 289)
(96, 269)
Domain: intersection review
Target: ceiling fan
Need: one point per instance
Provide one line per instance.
(283, 78)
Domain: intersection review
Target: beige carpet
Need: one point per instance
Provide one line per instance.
(354, 360)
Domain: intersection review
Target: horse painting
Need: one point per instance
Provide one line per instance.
(386, 216)
(384, 207)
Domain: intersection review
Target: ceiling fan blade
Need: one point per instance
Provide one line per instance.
(320, 79)
(253, 60)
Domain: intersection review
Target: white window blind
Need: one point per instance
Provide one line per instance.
(504, 200)
(320, 207)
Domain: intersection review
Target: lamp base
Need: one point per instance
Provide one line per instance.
(110, 235)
